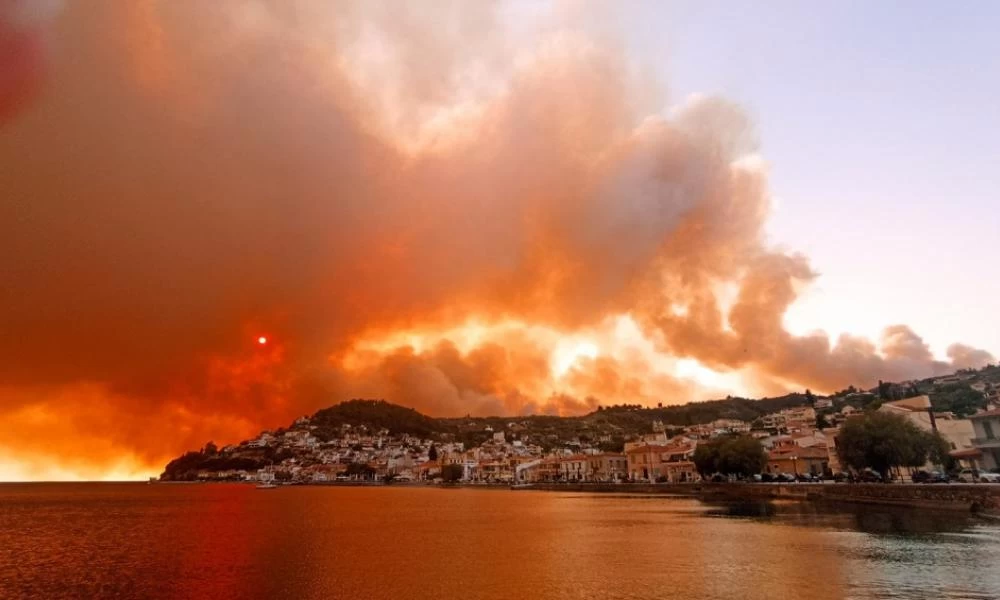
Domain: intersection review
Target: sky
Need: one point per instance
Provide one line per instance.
(880, 126)
(481, 209)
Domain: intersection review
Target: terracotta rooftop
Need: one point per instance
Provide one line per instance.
(916, 403)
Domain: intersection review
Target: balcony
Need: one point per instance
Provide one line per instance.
(986, 442)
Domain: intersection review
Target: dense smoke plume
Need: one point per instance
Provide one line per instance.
(442, 209)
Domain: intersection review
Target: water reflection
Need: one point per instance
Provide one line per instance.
(231, 541)
(872, 519)
(889, 552)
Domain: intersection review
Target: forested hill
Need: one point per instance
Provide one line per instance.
(376, 415)
(614, 420)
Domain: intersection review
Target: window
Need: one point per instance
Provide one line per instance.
(988, 427)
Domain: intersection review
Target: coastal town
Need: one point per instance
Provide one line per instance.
(374, 441)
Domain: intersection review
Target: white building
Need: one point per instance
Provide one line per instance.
(773, 421)
(986, 427)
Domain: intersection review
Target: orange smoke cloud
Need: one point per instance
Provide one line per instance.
(501, 229)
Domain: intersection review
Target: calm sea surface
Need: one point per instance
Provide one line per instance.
(234, 541)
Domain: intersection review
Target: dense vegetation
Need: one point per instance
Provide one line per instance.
(958, 398)
(694, 413)
(186, 466)
(885, 441)
(738, 455)
(375, 415)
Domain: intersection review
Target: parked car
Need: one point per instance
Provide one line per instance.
(930, 477)
(784, 478)
(975, 475)
(967, 476)
(939, 477)
(869, 476)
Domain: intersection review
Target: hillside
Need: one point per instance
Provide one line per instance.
(962, 393)
(607, 428)
(375, 415)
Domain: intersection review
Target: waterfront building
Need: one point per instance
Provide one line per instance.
(986, 429)
(656, 463)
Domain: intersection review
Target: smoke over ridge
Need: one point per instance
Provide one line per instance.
(445, 210)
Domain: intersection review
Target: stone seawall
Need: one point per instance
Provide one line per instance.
(979, 498)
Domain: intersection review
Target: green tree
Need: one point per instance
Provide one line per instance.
(881, 441)
(736, 455)
(742, 455)
(432, 453)
(821, 422)
(452, 473)
(939, 450)
(706, 459)
(958, 398)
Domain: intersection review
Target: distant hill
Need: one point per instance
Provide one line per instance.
(696, 413)
(617, 422)
(375, 415)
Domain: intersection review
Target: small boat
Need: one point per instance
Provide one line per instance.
(266, 486)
